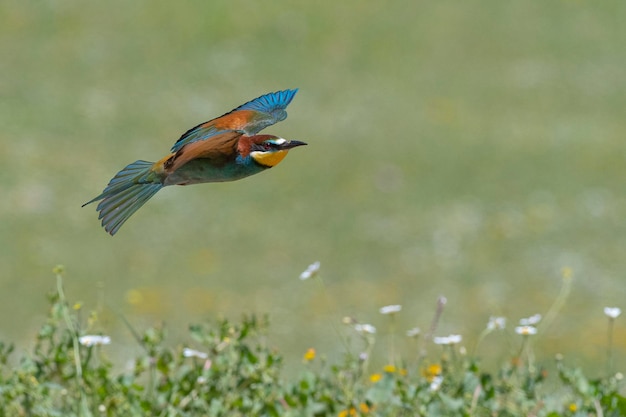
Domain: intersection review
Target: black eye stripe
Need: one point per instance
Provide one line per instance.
(267, 146)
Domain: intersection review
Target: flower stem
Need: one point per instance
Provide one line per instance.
(441, 303)
(392, 340)
(482, 335)
(70, 326)
(84, 409)
(320, 283)
(559, 302)
(609, 349)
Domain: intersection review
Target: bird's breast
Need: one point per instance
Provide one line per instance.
(202, 170)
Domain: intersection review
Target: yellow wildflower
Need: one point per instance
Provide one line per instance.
(566, 272)
(375, 377)
(352, 411)
(389, 369)
(432, 371)
(346, 413)
(134, 297)
(573, 407)
(309, 355)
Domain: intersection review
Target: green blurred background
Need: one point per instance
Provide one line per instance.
(470, 149)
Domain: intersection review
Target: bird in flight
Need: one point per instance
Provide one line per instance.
(226, 148)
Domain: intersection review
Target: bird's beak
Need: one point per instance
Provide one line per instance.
(293, 144)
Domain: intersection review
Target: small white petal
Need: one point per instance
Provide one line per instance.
(526, 330)
(496, 323)
(191, 353)
(311, 271)
(365, 328)
(415, 331)
(93, 340)
(390, 309)
(436, 384)
(612, 312)
(453, 339)
(530, 321)
(441, 340)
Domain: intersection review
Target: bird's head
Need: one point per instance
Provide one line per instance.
(269, 150)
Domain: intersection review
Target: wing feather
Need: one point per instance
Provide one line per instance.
(221, 149)
(249, 118)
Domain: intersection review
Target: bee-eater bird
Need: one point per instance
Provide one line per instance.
(223, 149)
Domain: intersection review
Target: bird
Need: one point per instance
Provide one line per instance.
(226, 148)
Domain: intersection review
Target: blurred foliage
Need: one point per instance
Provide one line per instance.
(236, 374)
(468, 149)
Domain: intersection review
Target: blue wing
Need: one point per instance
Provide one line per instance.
(271, 102)
(249, 118)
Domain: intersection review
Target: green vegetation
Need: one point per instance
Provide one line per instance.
(235, 373)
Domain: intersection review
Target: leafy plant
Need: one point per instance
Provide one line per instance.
(235, 373)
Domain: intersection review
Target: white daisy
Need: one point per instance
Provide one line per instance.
(436, 383)
(191, 353)
(94, 340)
(526, 330)
(311, 271)
(612, 312)
(453, 339)
(496, 323)
(392, 309)
(365, 328)
(414, 332)
(530, 321)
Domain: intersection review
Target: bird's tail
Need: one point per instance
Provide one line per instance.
(126, 193)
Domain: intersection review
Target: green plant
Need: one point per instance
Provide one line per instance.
(234, 373)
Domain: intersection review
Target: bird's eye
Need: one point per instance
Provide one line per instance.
(267, 146)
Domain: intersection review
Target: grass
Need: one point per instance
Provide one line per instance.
(233, 370)
(470, 150)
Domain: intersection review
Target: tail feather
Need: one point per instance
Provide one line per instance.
(115, 214)
(125, 194)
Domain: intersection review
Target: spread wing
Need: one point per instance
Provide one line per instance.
(249, 118)
(221, 149)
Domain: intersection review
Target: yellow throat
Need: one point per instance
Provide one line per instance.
(269, 159)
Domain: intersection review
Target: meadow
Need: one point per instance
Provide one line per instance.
(472, 150)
